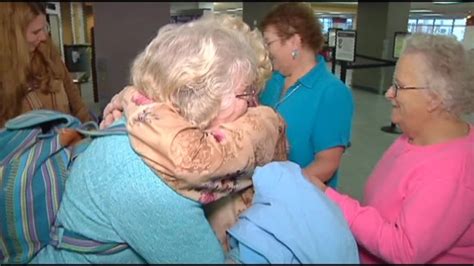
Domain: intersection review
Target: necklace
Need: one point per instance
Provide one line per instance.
(286, 96)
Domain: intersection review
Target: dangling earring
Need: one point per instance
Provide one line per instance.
(295, 53)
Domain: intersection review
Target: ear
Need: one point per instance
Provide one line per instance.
(434, 102)
(296, 41)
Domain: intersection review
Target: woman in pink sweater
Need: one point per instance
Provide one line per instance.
(418, 205)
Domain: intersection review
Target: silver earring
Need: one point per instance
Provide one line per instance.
(295, 53)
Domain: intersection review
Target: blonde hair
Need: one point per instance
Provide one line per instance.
(448, 72)
(255, 39)
(196, 66)
(18, 66)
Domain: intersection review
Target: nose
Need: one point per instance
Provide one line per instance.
(390, 93)
(43, 36)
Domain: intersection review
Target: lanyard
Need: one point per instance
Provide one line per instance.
(286, 96)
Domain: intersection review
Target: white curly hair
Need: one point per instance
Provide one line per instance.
(449, 70)
(197, 66)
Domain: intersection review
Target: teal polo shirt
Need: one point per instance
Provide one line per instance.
(318, 111)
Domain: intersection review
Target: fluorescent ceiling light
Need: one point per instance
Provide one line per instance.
(234, 9)
(445, 3)
(420, 11)
(431, 15)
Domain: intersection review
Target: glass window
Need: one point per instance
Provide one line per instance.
(444, 22)
(412, 28)
(349, 25)
(424, 29)
(444, 26)
(425, 21)
(327, 23)
(460, 22)
(443, 30)
(458, 31)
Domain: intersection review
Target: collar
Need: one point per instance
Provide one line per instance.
(315, 74)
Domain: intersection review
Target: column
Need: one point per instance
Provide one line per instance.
(468, 40)
(253, 12)
(376, 25)
(122, 31)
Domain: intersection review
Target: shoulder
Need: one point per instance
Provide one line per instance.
(115, 175)
(452, 162)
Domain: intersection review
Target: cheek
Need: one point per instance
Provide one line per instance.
(242, 108)
(30, 38)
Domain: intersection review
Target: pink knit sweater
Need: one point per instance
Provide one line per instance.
(418, 206)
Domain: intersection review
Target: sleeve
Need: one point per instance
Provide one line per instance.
(250, 140)
(332, 126)
(159, 225)
(76, 104)
(431, 219)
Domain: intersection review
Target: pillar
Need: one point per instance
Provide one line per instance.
(468, 40)
(376, 24)
(253, 12)
(122, 31)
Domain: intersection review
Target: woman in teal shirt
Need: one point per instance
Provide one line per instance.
(316, 106)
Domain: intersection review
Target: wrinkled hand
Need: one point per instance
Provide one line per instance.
(121, 103)
(112, 111)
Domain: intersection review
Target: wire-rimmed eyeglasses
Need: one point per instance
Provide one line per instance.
(249, 95)
(267, 44)
(397, 87)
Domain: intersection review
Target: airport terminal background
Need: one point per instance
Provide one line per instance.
(99, 40)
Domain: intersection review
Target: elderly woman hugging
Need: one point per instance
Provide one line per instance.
(192, 140)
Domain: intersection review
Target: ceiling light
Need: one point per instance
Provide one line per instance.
(431, 15)
(420, 11)
(445, 3)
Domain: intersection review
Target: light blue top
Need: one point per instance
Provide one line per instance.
(112, 196)
(290, 221)
(318, 111)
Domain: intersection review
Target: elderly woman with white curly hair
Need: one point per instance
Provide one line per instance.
(141, 200)
(418, 205)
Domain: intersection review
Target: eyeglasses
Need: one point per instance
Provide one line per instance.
(267, 44)
(397, 87)
(248, 95)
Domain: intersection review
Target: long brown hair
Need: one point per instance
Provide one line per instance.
(18, 67)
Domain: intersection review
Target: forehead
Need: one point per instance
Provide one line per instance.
(37, 23)
(270, 30)
(410, 67)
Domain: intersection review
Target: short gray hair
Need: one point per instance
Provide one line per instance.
(196, 66)
(449, 70)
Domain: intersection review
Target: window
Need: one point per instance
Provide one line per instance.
(349, 25)
(442, 26)
(326, 22)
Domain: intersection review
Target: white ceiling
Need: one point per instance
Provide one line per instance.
(451, 10)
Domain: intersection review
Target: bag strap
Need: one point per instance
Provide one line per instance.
(63, 238)
(68, 240)
(79, 147)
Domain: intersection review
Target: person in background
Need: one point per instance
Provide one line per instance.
(418, 203)
(191, 80)
(316, 106)
(32, 73)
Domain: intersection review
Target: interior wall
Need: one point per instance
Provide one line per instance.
(89, 19)
(122, 30)
(66, 23)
